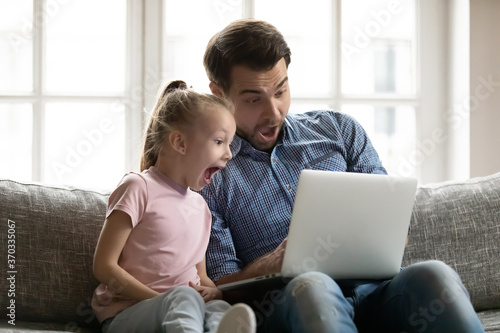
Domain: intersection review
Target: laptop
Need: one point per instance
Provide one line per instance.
(346, 225)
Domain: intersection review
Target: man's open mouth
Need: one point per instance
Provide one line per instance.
(268, 132)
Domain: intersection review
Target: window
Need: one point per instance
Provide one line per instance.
(76, 76)
(64, 83)
(353, 56)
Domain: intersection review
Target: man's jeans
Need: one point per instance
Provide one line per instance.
(424, 297)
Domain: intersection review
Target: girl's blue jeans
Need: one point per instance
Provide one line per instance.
(180, 309)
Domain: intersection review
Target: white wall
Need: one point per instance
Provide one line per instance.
(457, 116)
(484, 87)
(433, 19)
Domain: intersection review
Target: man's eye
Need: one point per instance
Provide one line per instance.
(253, 100)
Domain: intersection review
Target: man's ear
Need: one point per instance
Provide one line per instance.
(216, 89)
(177, 141)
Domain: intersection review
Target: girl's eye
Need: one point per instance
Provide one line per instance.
(218, 142)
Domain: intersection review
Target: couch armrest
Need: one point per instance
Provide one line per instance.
(459, 224)
(56, 230)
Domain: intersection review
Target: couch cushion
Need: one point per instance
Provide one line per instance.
(56, 230)
(490, 320)
(33, 327)
(459, 223)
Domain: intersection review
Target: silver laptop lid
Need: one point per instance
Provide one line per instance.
(349, 225)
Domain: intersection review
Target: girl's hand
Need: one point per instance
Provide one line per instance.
(208, 293)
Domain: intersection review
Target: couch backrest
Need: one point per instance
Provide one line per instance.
(459, 224)
(56, 230)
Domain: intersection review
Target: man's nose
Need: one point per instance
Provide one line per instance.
(271, 109)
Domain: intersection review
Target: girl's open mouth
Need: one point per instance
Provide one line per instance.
(207, 175)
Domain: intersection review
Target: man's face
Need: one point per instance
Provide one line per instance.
(261, 100)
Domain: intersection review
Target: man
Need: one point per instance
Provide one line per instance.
(251, 201)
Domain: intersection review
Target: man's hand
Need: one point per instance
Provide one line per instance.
(208, 293)
(272, 262)
(267, 264)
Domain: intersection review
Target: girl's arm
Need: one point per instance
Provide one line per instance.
(114, 235)
(207, 288)
(202, 273)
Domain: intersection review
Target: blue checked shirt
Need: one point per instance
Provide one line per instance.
(251, 200)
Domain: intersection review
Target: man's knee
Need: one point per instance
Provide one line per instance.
(433, 277)
(312, 280)
(430, 271)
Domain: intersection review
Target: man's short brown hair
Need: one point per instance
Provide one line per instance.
(249, 42)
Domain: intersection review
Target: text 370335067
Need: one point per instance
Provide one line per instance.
(11, 271)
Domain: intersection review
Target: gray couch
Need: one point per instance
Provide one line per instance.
(51, 233)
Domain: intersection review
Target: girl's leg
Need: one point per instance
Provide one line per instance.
(181, 309)
(220, 317)
(214, 311)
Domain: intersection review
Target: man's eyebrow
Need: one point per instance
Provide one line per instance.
(252, 91)
(282, 82)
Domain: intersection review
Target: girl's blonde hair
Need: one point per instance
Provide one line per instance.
(177, 108)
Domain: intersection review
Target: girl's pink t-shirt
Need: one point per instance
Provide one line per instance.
(171, 229)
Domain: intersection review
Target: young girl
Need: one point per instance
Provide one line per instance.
(150, 256)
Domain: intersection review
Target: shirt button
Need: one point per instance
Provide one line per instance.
(274, 160)
(288, 187)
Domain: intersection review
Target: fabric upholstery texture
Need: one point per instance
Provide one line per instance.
(459, 224)
(57, 229)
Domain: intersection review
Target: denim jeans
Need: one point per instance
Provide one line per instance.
(424, 297)
(180, 309)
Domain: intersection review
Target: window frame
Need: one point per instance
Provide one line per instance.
(144, 75)
(132, 96)
(428, 101)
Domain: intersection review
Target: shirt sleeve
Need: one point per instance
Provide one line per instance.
(130, 197)
(361, 155)
(221, 257)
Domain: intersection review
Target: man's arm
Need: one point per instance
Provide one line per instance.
(361, 155)
(223, 264)
(267, 264)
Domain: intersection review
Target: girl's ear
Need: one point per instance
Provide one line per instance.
(177, 141)
(215, 89)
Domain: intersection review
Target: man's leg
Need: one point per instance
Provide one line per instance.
(311, 302)
(424, 297)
